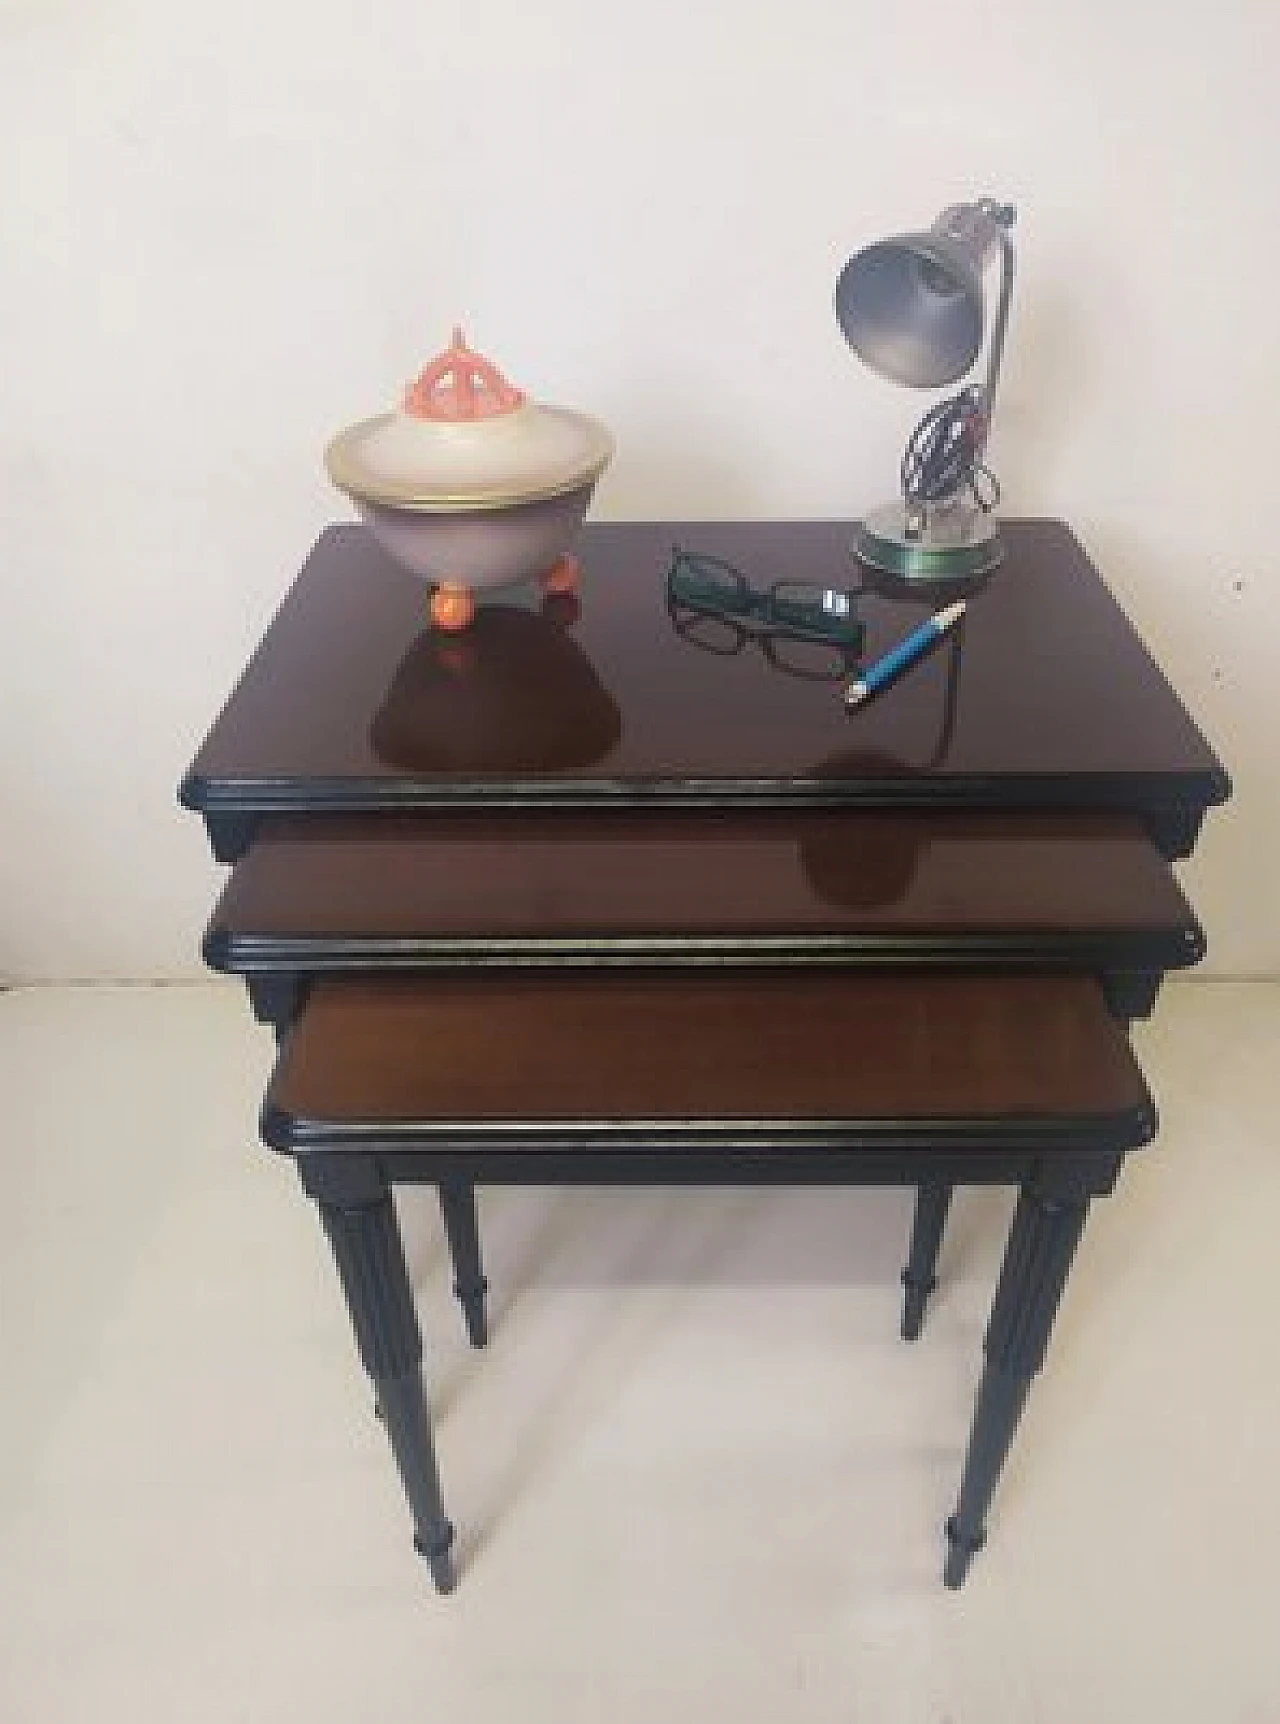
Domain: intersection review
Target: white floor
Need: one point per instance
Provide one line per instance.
(696, 1474)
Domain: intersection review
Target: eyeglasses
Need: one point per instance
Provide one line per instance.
(801, 627)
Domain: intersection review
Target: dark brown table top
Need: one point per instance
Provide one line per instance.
(320, 892)
(696, 1056)
(1045, 696)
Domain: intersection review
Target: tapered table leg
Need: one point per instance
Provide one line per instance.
(1041, 1245)
(458, 1206)
(933, 1199)
(370, 1257)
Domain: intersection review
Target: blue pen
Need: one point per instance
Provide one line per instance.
(915, 646)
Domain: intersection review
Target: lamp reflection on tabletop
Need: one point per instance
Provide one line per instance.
(872, 863)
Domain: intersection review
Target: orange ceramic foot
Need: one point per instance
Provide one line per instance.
(452, 607)
(562, 577)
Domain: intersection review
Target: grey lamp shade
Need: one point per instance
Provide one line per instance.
(911, 307)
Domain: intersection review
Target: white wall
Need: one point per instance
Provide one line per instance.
(226, 230)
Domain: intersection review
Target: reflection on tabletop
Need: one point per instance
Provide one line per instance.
(514, 693)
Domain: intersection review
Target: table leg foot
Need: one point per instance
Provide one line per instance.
(1037, 1259)
(458, 1206)
(1001, 1398)
(961, 1551)
(439, 1559)
(933, 1199)
(404, 1413)
(368, 1251)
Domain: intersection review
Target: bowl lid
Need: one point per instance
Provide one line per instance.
(464, 437)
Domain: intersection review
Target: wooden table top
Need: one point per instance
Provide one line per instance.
(346, 892)
(771, 1056)
(1044, 696)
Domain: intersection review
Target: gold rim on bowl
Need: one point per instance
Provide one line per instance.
(347, 474)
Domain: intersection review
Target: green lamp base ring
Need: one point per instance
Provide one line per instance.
(955, 544)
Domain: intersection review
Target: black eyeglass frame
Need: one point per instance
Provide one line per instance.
(761, 613)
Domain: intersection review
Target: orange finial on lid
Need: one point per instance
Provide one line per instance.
(460, 384)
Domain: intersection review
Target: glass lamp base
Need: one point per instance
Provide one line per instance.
(945, 543)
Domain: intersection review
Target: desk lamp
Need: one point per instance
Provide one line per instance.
(911, 307)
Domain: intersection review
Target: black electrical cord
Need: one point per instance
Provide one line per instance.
(944, 455)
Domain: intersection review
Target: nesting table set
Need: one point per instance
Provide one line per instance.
(585, 895)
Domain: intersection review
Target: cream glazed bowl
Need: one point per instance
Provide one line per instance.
(471, 485)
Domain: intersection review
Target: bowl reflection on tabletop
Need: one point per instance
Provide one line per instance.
(869, 861)
(514, 693)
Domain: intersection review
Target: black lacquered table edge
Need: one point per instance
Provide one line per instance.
(1172, 813)
(708, 1150)
(278, 970)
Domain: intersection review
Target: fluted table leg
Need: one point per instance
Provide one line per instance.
(367, 1248)
(1041, 1245)
(458, 1206)
(933, 1199)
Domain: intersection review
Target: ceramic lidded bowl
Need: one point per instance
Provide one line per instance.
(470, 484)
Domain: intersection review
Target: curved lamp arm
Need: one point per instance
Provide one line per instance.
(1002, 218)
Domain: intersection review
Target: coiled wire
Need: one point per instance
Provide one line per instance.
(944, 455)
